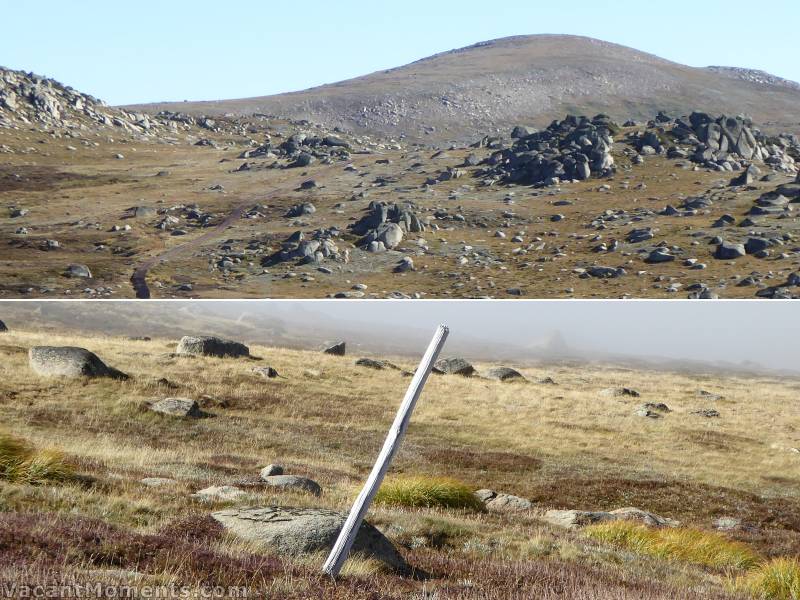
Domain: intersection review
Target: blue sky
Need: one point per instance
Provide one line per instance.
(144, 51)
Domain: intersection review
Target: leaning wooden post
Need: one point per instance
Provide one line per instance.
(351, 526)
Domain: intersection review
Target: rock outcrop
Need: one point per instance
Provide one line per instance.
(576, 148)
(384, 226)
(721, 143)
(28, 99)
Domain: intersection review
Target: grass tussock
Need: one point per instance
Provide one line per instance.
(777, 579)
(681, 544)
(427, 492)
(20, 462)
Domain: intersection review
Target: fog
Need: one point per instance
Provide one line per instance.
(762, 333)
(734, 336)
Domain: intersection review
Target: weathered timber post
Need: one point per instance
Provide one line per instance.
(350, 528)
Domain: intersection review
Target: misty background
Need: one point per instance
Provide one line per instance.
(744, 337)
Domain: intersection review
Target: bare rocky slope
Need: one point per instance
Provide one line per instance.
(493, 85)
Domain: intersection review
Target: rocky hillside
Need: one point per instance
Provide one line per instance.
(27, 99)
(526, 79)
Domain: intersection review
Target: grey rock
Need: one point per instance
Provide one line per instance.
(266, 372)
(657, 406)
(406, 264)
(572, 519)
(378, 365)
(301, 531)
(640, 235)
(271, 471)
(338, 349)
(293, 483)
(729, 251)
(211, 346)
(605, 272)
(177, 407)
(76, 270)
(501, 502)
(659, 255)
(454, 366)
(303, 160)
(69, 361)
(727, 523)
(755, 245)
(646, 412)
(299, 210)
(630, 513)
(219, 493)
(504, 374)
(390, 234)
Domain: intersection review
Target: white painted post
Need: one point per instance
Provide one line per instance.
(351, 526)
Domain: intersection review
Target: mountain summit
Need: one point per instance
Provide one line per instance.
(532, 79)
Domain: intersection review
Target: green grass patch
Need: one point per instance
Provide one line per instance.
(427, 492)
(20, 462)
(777, 579)
(681, 544)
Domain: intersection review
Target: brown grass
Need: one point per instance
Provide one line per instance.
(503, 436)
